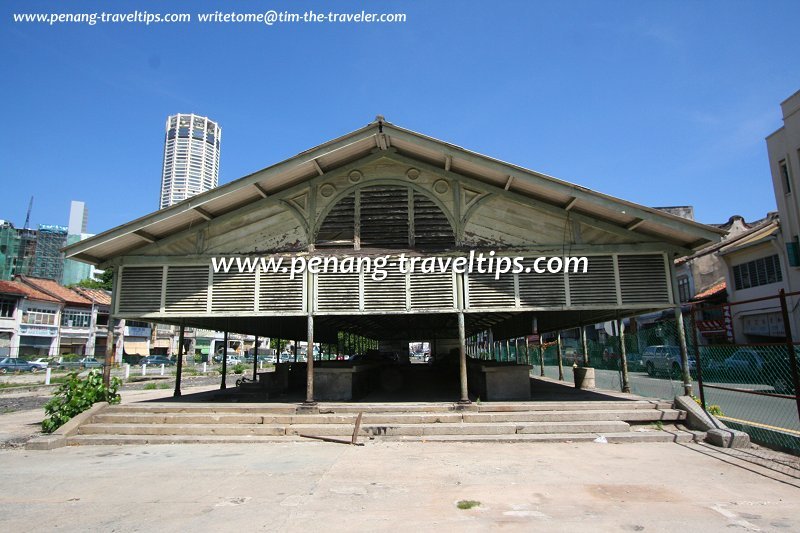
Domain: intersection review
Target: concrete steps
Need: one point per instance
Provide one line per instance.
(154, 423)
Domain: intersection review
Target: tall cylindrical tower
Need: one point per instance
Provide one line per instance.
(191, 158)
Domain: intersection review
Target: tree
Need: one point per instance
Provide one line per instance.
(105, 281)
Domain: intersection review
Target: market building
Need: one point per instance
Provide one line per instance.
(385, 191)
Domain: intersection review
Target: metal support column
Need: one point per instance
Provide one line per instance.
(224, 385)
(697, 358)
(462, 362)
(685, 376)
(255, 358)
(179, 367)
(623, 359)
(560, 357)
(585, 343)
(310, 362)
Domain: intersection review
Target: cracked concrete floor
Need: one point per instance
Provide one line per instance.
(319, 486)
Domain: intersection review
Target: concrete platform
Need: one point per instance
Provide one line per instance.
(292, 486)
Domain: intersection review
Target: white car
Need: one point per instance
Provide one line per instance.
(42, 362)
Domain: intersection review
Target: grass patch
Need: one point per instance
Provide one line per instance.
(149, 386)
(467, 504)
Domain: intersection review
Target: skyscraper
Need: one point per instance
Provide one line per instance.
(191, 158)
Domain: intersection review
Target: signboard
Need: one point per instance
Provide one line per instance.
(37, 331)
(765, 325)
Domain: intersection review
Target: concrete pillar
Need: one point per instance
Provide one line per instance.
(623, 357)
(127, 371)
(309, 362)
(179, 368)
(462, 362)
(560, 357)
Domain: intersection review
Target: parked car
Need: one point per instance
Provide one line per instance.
(42, 362)
(84, 362)
(12, 364)
(232, 355)
(157, 360)
(665, 359)
(744, 362)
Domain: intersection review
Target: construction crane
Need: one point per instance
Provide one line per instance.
(28, 216)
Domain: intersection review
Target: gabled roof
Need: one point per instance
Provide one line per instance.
(756, 235)
(18, 288)
(407, 144)
(715, 289)
(98, 296)
(52, 288)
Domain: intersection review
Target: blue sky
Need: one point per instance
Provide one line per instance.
(661, 103)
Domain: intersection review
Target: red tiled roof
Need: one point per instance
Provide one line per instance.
(56, 290)
(711, 291)
(99, 296)
(20, 289)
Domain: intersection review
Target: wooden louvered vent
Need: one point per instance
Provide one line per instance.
(596, 286)
(187, 289)
(233, 291)
(386, 294)
(386, 216)
(643, 279)
(487, 292)
(140, 290)
(432, 291)
(337, 291)
(540, 290)
(277, 292)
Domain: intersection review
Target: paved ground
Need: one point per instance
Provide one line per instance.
(399, 486)
(319, 486)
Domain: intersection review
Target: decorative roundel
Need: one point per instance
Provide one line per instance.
(355, 176)
(441, 186)
(412, 173)
(327, 190)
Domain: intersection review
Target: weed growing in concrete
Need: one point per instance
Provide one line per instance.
(467, 504)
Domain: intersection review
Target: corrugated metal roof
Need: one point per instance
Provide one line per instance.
(386, 136)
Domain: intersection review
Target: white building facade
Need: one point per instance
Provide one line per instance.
(191, 158)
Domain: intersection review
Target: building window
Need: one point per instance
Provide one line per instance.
(684, 292)
(756, 273)
(39, 317)
(7, 308)
(786, 179)
(76, 319)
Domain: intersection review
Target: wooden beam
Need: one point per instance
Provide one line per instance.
(203, 213)
(509, 182)
(319, 168)
(260, 190)
(569, 205)
(635, 224)
(146, 236)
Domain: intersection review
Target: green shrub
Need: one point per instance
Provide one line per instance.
(76, 396)
(239, 368)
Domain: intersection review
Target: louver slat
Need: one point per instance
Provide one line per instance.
(233, 291)
(187, 289)
(432, 291)
(540, 290)
(384, 217)
(339, 225)
(337, 291)
(643, 279)
(431, 227)
(596, 286)
(279, 293)
(486, 292)
(387, 294)
(140, 290)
